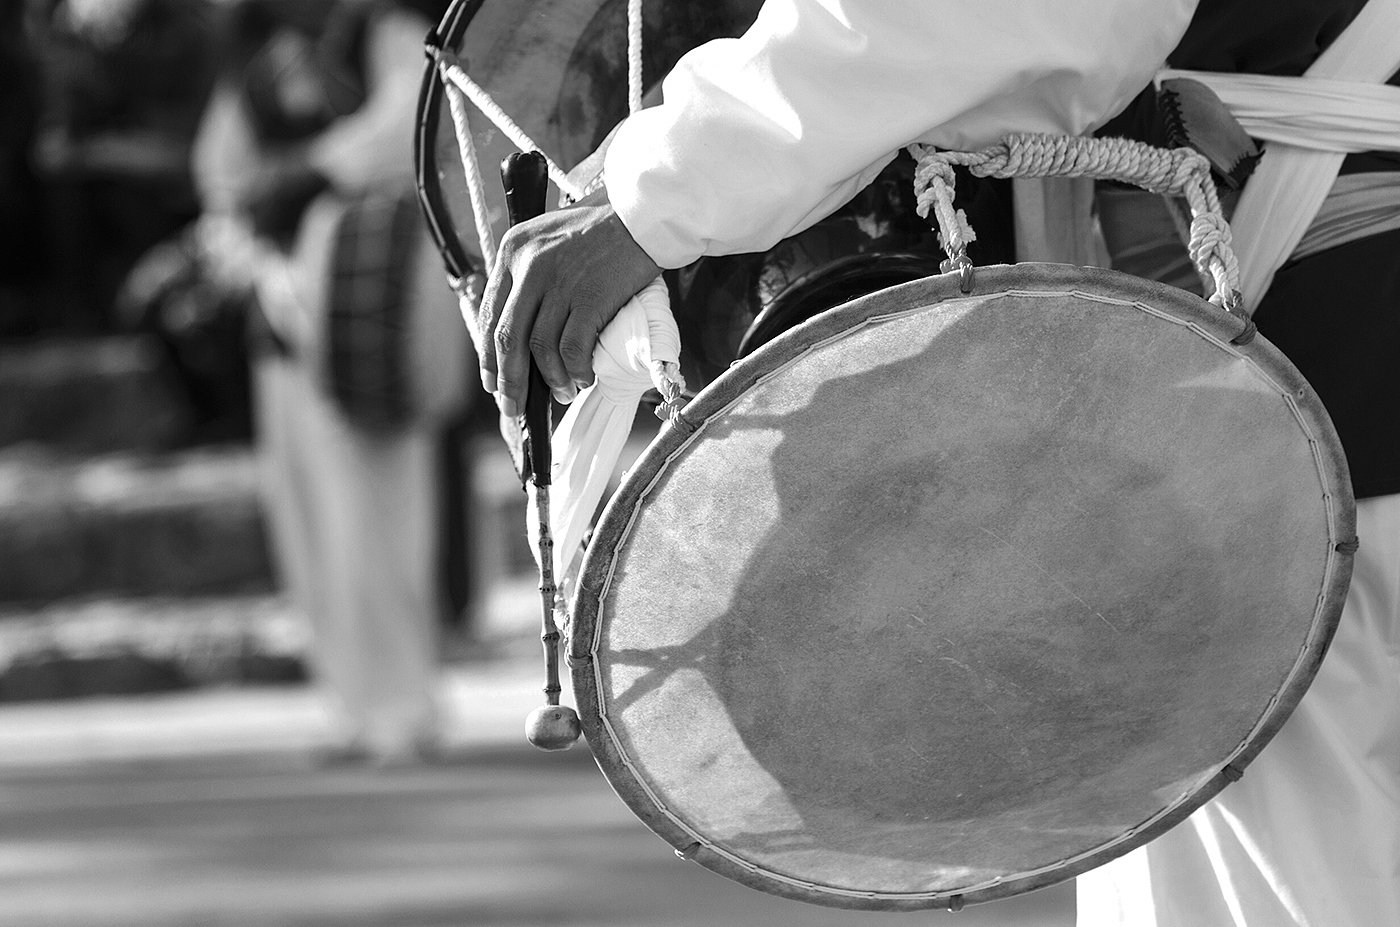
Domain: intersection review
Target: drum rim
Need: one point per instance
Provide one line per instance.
(447, 34)
(615, 525)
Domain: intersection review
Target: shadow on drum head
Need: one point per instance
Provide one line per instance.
(965, 600)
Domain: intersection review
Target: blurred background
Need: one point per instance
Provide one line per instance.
(189, 734)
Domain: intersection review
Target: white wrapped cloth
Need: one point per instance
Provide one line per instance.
(627, 362)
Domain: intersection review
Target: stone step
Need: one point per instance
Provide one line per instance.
(90, 395)
(130, 524)
(80, 648)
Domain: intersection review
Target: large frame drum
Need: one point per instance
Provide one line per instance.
(950, 593)
(943, 597)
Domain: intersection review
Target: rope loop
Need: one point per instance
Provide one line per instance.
(934, 184)
(1176, 172)
(460, 88)
(471, 170)
(666, 377)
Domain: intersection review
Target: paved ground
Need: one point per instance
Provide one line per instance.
(207, 809)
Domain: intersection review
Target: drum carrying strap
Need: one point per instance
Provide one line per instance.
(1310, 123)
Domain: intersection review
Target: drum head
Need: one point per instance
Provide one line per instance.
(943, 597)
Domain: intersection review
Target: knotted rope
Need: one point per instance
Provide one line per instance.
(1177, 172)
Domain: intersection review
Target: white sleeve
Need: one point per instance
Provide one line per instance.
(763, 135)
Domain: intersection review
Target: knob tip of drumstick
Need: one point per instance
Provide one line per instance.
(553, 727)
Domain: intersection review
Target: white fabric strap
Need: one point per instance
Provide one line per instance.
(453, 73)
(589, 441)
(1286, 191)
(1359, 206)
(1315, 113)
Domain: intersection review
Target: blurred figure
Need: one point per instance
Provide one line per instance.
(121, 85)
(175, 295)
(21, 252)
(304, 165)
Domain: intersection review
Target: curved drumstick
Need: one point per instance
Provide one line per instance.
(551, 726)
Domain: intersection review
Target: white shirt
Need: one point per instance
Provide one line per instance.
(763, 135)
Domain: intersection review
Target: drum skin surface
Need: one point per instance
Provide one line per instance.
(940, 598)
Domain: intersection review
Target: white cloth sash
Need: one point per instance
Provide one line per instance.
(590, 439)
(1311, 122)
(1360, 205)
(1308, 112)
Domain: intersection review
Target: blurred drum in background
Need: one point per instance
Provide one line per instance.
(393, 351)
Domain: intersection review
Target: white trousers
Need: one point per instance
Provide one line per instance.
(1310, 837)
(352, 518)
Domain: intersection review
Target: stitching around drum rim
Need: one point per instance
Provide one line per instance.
(796, 345)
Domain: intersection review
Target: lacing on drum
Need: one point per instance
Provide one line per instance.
(459, 89)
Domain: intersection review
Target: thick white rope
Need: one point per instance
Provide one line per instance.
(458, 85)
(634, 55)
(475, 188)
(452, 72)
(1180, 172)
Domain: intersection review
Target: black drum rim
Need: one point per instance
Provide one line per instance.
(446, 35)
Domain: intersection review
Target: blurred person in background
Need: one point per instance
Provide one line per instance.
(304, 166)
(120, 85)
(21, 255)
(98, 194)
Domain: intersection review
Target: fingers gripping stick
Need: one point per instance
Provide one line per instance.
(551, 726)
(526, 179)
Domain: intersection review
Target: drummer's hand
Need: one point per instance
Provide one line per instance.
(559, 279)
